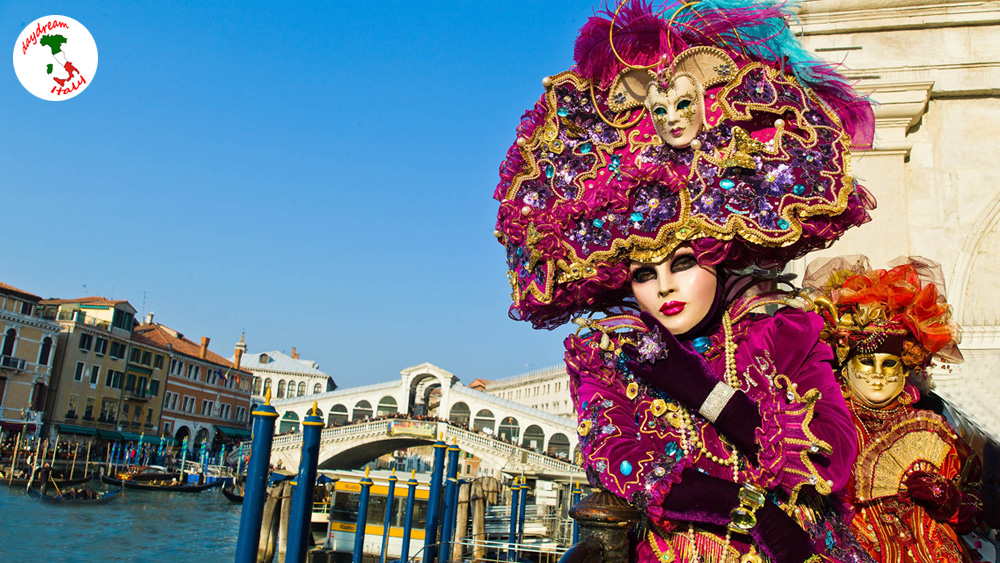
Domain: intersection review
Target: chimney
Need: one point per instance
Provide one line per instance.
(204, 347)
(148, 319)
(239, 357)
(295, 355)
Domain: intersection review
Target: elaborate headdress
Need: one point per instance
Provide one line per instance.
(901, 311)
(705, 123)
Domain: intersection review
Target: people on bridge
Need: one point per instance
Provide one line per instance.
(655, 191)
(914, 484)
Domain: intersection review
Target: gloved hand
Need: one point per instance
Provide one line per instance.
(938, 495)
(779, 537)
(686, 376)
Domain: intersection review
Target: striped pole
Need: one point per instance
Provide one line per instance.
(256, 483)
(388, 515)
(576, 525)
(361, 528)
(450, 498)
(514, 493)
(524, 507)
(408, 519)
(434, 502)
(302, 490)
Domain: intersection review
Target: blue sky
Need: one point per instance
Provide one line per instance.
(319, 174)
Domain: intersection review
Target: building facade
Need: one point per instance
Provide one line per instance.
(30, 342)
(108, 381)
(288, 376)
(207, 397)
(545, 389)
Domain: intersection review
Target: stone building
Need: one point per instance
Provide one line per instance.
(933, 66)
(288, 376)
(545, 389)
(29, 345)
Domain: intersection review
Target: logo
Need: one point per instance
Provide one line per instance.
(55, 58)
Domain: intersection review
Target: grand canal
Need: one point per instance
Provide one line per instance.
(141, 526)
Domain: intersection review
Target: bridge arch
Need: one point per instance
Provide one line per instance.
(484, 419)
(338, 415)
(534, 438)
(387, 405)
(558, 446)
(362, 410)
(460, 414)
(509, 429)
(289, 422)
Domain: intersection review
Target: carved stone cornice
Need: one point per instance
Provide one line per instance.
(823, 17)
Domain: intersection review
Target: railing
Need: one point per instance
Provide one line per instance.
(13, 363)
(137, 395)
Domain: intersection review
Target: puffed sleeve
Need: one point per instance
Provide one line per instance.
(624, 460)
(806, 437)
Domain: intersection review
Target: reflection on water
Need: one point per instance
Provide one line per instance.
(141, 526)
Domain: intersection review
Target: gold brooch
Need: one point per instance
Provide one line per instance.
(632, 391)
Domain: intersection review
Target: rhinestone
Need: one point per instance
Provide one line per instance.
(798, 189)
(782, 224)
(562, 112)
(585, 148)
(635, 217)
(727, 184)
(549, 171)
(626, 468)
(702, 344)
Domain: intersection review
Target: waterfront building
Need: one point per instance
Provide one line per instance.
(287, 375)
(29, 344)
(107, 380)
(545, 389)
(206, 396)
(933, 66)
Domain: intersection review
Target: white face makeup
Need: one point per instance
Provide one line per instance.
(875, 379)
(678, 291)
(679, 112)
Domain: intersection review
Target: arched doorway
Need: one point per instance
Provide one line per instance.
(484, 419)
(362, 410)
(460, 414)
(289, 422)
(182, 432)
(509, 429)
(534, 438)
(559, 446)
(338, 415)
(201, 436)
(386, 406)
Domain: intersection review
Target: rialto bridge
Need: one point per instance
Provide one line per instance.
(370, 421)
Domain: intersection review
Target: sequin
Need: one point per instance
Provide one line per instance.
(598, 223)
(562, 112)
(702, 344)
(635, 217)
(830, 542)
(782, 224)
(601, 467)
(609, 429)
(798, 189)
(549, 171)
(672, 449)
(626, 468)
(727, 184)
(660, 472)
(585, 148)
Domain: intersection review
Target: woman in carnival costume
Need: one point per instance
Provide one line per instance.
(691, 152)
(914, 482)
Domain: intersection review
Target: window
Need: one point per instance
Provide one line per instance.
(86, 341)
(147, 357)
(118, 350)
(71, 407)
(8, 342)
(114, 379)
(78, 375)
(149, 417)
(109, 410)
(241, 413)
(154, 387)
(193, 372)
(166, 428)
(101, 346)
(206, 407)
(140, 387)
(125, 411)
(134, 356)
(95, 375)
(137, 416)
(316, 388)
(176, 367)
(26, 308)
(130, 382)
(158, 362)
(43, 356)
(88, 413)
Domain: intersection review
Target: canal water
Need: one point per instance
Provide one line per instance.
(142, 526)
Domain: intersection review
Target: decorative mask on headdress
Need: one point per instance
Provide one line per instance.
(707, 124)
(901, 311)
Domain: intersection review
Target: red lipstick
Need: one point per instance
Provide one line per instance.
(671, 308)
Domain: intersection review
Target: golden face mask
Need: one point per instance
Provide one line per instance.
(875, 379)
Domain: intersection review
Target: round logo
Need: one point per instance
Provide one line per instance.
(55, 58)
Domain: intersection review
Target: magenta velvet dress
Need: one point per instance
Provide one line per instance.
(636, 440)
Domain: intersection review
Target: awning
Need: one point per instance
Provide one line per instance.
(230, 432)
(81, 430)
(131, 436)
(17, 426)
(154, 439)
(109, 434)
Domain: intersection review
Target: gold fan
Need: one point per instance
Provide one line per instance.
(917, 441)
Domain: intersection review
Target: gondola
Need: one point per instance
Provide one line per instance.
(60, 499)
(142, 486)
(231, 495)
(59, 482)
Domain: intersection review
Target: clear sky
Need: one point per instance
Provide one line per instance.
(318, 174)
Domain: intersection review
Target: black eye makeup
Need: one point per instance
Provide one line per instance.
(683, 262)
(643, 274)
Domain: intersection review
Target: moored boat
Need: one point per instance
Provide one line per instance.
(158, 485)
(66, 498)
(232, 495)
(59, 482)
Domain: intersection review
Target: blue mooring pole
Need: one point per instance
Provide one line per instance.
(300, 516)
(255, 487)
(359, 529)
(388, 515)
(524, 506)
(404, 553)
(576, 526)
(512, 538)
(450, 499)
(434, 503)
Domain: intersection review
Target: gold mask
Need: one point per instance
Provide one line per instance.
(875, 379)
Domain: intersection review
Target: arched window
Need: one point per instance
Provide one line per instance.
(291, 390)
(267, 385)
(43, 356)
(8, 342)
(317, 388)
(256, 386)
(302, 388)
(281, 388)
